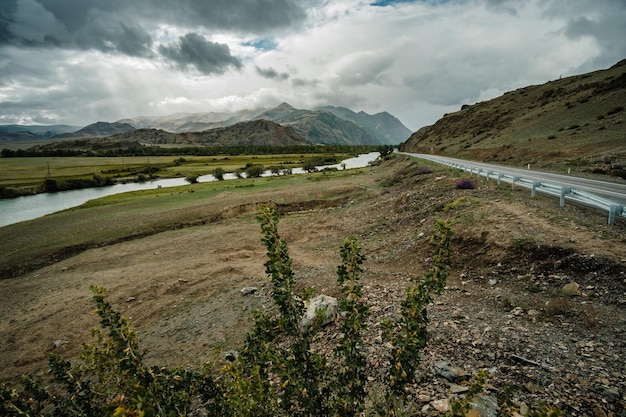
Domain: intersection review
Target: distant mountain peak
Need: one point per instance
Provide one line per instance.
(284, 106)
(282, 109)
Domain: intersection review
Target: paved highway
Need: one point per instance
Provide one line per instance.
(615, 192)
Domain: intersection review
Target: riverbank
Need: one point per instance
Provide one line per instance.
(34, 206)
(29, 175)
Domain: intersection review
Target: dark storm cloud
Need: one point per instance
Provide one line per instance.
(108, 34)
(125, 26)
(602, 20)
(272, 74)
(251, 16)
(607, 29)
(46, 24)
(194, 50)
(509, 6)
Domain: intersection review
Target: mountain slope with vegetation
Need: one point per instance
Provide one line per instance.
(383, 126)
(98, 129)
(254, 133)
(575, 122)
(320, 126)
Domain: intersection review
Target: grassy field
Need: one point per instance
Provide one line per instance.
(30, 172)
(131, 215)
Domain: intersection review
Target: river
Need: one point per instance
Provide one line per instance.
(30, 207)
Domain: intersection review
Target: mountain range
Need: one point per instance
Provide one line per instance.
(281, 125)
(329, 125)
(33, 132)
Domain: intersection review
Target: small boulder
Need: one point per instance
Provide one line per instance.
(58, 343)
(448, 371)
(248, 290)
(320, 310)
(572, 289)
(484, 406)
(443, 405)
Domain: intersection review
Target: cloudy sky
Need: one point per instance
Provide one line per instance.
(81, 61)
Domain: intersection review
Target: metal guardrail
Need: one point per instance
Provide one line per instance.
(562, 192)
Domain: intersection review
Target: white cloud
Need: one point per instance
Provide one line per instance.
(416, 60)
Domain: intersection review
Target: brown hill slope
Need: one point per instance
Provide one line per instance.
(571, 122)
(98, 129)
(254, 133)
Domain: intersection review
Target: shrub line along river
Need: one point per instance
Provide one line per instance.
(30, 207)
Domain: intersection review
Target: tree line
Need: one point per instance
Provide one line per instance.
(140, 150)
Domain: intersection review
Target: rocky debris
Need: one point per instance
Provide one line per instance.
(484, 406)
(248, 290)
(58, 343)
(458, 389)
(448, 371)
(572, 289)
(442, 405)
(231, 355)
(320, 310)
(530, 353)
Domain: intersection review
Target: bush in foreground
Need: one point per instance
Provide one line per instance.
(465, 184)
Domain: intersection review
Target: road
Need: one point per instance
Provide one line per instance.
(615, 192)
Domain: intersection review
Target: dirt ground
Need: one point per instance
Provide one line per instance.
(506, 308)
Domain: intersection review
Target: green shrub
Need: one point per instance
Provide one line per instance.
(192, 179)
(219, 173)
(255, 171)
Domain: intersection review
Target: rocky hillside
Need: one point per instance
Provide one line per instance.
(383, 126)
(320, 126)
(253, 133)
(576, 122)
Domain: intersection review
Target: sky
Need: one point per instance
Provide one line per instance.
(80, 61)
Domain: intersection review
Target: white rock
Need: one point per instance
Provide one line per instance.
(248, 290)
(442, 405)
(322, 306)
